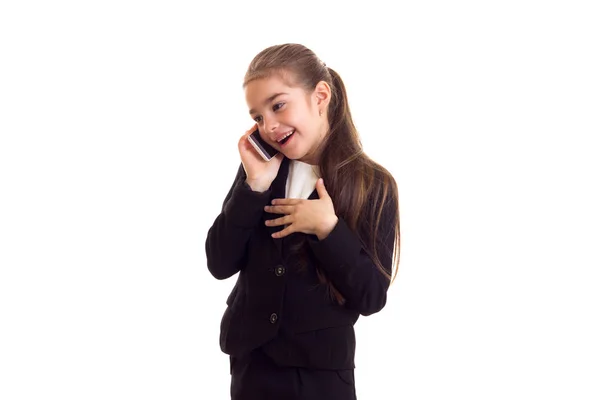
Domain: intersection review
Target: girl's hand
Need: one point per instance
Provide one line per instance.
(315, 217)
(259, 173)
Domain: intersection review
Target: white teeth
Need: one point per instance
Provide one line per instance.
(287, 135)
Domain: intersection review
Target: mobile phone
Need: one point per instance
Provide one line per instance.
(266, 151)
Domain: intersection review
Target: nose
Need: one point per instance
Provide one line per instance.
(270, 124)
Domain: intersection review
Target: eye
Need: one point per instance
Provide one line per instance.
(275, 108)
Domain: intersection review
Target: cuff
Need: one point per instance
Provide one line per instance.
(245, 207)
(340, 247)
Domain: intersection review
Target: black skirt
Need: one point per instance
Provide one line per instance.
(256, 377)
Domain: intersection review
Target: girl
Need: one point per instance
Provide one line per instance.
(312, 232)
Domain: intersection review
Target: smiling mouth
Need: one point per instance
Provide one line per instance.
(287, 137)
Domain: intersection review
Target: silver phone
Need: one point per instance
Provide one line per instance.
(266, 151)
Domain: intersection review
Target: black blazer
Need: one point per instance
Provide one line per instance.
(275, 306)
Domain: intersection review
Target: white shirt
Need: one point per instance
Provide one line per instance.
(301, 181)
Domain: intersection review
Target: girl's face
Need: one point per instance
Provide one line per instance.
(279, 109)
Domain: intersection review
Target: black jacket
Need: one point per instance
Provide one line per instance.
(275, 306)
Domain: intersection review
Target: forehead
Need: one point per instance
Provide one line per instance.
(260, 90)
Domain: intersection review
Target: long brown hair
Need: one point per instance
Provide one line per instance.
(359, 187)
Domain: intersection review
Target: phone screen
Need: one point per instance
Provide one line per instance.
(266, 151)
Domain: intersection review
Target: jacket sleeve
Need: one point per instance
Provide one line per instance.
(351, 270)
(228, 237)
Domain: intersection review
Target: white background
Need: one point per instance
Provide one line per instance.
(118, 117)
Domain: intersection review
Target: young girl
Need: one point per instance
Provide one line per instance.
(312, 232)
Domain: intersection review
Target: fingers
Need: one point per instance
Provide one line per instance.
(249, 131)
(321, 191)
(245, 148)
(246, 151)
(244, 137)
(286, 202)
(279, 221)
(283, 232)
(279, 209)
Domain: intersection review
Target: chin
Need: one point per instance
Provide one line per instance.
(295, 156)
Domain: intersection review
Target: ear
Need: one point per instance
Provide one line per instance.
(322, 94)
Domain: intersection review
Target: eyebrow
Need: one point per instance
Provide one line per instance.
(267, 101)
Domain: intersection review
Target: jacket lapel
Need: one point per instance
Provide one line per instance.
(278, 192)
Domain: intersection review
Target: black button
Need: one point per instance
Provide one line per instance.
(273, 318)
(280, 270)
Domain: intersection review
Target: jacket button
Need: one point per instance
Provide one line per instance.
(280, 270)
(273, 318)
